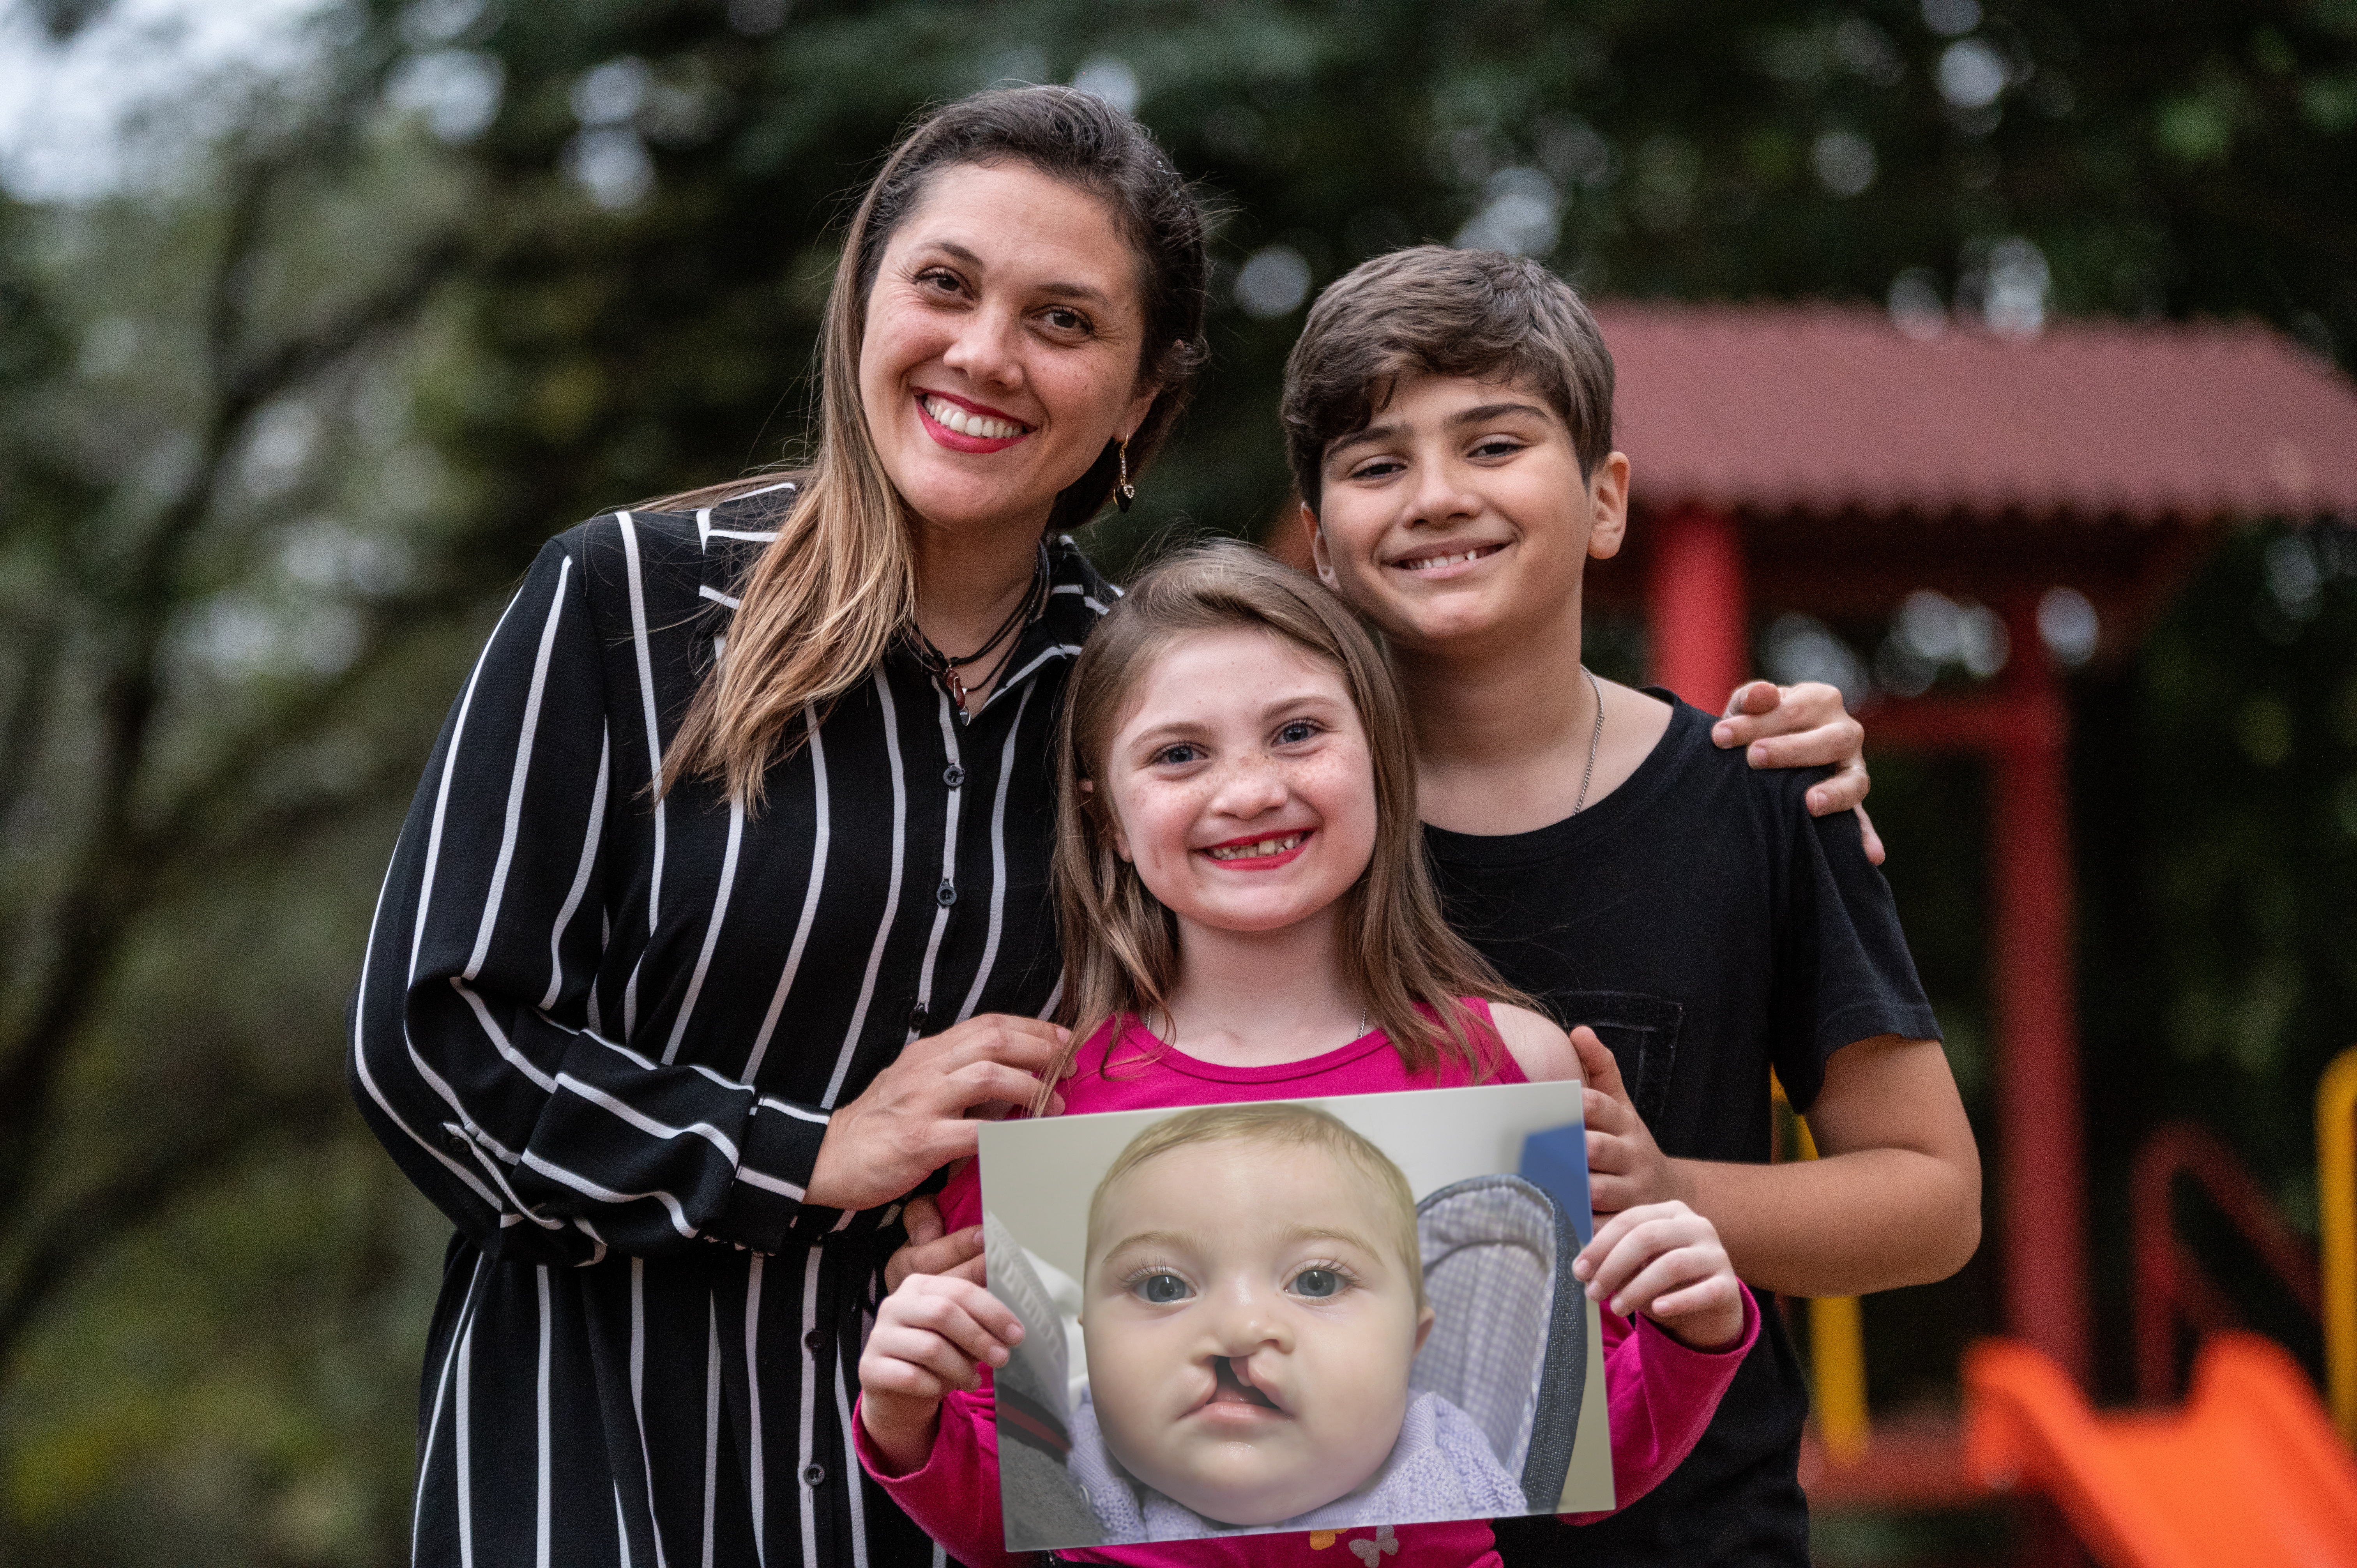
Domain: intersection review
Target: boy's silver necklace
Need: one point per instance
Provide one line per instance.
(1594, 736)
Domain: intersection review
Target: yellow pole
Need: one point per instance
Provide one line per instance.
(2336, 1190)
(1837, 1359)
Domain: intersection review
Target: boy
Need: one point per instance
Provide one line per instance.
(1449, 418)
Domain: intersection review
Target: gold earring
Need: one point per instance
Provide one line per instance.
(1125, 492)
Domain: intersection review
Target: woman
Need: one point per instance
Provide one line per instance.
(689, 966)
(650, 1003)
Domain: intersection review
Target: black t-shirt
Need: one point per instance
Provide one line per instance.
(1708, 929)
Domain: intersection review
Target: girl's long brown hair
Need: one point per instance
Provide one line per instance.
(829, 595)
(1121, 945)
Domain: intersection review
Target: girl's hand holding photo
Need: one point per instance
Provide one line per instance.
(1664, 1261)
(930, 1336)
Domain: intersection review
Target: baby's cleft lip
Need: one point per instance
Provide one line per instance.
(1234, 1396)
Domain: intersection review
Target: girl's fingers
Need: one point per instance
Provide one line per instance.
(889, 1375)
(1663, 1272)
(1712, 1292)
(1633, 1237)
(958, 1310)
(1608, 1235)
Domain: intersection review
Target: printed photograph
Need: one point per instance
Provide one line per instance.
(1290, 1316)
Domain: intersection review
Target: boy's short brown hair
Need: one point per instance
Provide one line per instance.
(1434, 311)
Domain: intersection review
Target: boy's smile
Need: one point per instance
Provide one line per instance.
(1458, 518)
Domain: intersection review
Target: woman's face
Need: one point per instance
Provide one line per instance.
(1002, 348)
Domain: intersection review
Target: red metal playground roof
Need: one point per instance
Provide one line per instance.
(1822, 409)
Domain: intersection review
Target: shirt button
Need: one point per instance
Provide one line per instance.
(946, 894)
(815, 1340)
(918, 1017)
(953, 776)
(813, 1474)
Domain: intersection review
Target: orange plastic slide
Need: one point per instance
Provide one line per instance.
(2250, 1471)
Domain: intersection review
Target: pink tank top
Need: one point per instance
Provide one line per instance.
(1133, 1070)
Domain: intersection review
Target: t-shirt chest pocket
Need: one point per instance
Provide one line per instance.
(1642, 1032)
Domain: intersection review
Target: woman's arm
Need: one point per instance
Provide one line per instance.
(470, 1049)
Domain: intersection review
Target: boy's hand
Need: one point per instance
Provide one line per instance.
(1625, 1167)
(930, 1335)
(1804, 725)
(1664, 1260)
(932, 1248)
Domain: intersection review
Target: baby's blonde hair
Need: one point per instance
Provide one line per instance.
(1282, 1125)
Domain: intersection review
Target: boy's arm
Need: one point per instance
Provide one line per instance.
(1894, 1199)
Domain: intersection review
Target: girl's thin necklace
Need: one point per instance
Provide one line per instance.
(946, 667)
(1594, 736)
(1171, 1034)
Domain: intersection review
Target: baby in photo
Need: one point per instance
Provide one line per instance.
(1253, 1303)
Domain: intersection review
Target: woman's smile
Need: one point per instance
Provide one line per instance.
(964, 426)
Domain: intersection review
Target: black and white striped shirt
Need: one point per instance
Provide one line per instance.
(604, 1033)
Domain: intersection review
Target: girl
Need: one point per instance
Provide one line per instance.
(1246, 916)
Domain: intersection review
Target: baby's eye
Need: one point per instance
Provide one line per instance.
(1318, 1283)
(1160, 1290)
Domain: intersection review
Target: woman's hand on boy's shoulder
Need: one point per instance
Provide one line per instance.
(1804, 725)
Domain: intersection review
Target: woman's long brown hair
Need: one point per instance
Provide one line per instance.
(1121, 945)
(830, 595)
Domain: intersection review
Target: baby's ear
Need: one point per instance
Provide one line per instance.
(1423, 1328)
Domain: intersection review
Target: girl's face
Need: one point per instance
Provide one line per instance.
(1240, 782)
(1002, 346)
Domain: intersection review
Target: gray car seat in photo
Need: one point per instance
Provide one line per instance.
(1509, 1321)
(1045, 1507)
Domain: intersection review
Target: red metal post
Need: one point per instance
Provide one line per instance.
(2042, 1191)
(1695, 601)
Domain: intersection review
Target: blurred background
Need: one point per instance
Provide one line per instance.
(318, 317)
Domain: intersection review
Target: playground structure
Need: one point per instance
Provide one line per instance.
(1820, 460)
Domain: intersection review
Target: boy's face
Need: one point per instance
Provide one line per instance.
(1453, 466)
(1249, 1332)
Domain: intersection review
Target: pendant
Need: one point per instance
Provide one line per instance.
(957, 688)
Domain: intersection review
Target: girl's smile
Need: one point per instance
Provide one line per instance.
(1262, 854)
